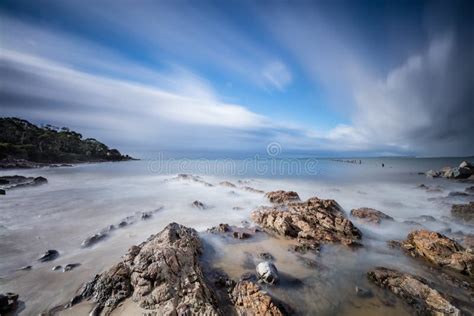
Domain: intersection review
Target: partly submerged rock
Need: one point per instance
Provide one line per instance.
(414, 290)
(463, 211)
(250, 189)
(199, 205)
(16, 181)
(440, 250)
(219, 229)
(161, 274)
(311, 222)
(370, 215)
(8, 303)
(281, 196)
(49, 255)
(227, 184)
(267, 272)
(249, 299)
(470, 189)
(432, 174)
(92, 240)
(2, 192)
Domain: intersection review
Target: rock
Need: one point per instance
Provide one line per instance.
(40, 180)
(2, 192)
(199, 205)
(249, 299)
(227, 184)
(49, 255)
(25, 268)
(190, 177)
(8, 302)
(364, 293)
(414, 290)
(161, 274)
(440, 250)
(56, 268)
(310, 223)
(463, 211)
(470, 189)
(266, 256)
(433, 174)
(267, 272)
(370, 215)
(145, 215)
(281, 196)
(221, 228)
(250, 189)
(422, 186)
(237, 208)
(457, 193)
(70, 266)
(465, 164)
(92, 240)
(241, 235)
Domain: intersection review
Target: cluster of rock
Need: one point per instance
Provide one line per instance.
(414, 290)
(311, 223)
(464, 171)
(370, 215)
(164, 275)
(14, 182)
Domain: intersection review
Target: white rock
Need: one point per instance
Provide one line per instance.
(267, 272)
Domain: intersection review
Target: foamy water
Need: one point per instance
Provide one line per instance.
(85, 199)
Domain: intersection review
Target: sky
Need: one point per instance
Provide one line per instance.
(326, 78)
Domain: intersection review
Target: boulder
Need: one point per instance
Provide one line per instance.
(161, 274)
(439, 250)
(311, 222)
(2, 192)
(463, 211)
(92, 240)
(40, 180)
(370, 215)
(282, 196)
(249, 299)
(199, 205)
(267, 272)
(219, 229)
(414, 290)
(49, 255)
(8, 303)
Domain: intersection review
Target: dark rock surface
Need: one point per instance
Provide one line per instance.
(49, 255)
(281, 196)
(249, 299)
(463, 211)
(370, 215)
(8, 303)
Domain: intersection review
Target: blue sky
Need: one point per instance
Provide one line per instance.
(323, 77)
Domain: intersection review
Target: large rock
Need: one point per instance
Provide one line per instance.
(267, 272)
(432, 174)
(463, 211)
(16, 181)
(249, 299)
(8, 303)
(440, 250)
(282, 196)
(162, 274)
(414, 290)
(311, 223)
(370, 215)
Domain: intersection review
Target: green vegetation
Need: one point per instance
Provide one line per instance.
(19, 139)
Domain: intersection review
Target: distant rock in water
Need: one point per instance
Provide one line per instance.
(8, 303)
(49, 255)
(12, 182)
(267, 272)
(199, 205)
(370, 215)
(463, 211)
(463, 171)
(282, 196)
(415, 290)
(25, 145)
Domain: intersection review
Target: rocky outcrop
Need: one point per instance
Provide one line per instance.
(162, 274)
(249, 299)
(226, 230)
(370, 215)
(13, 182)
(463, 171)
(191, 178)
(440, 250)
(8, 303)
(311, 222)
(414, 290)
(281, 196)
(463, 211)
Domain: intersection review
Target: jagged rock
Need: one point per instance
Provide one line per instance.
(463, 211)
(162, 274)
(440, 250)
(92, 240)
(282, 196)
(311, 223)
(49, 255)
(8, 302)
(414, 290)
(267, 272)
(227, 184)
(199, 205)
(249, 299)
(370, 215)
